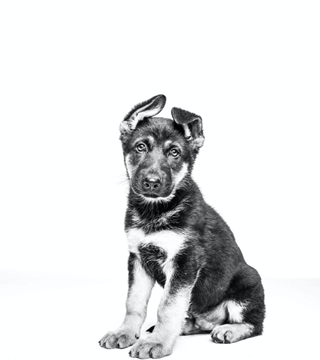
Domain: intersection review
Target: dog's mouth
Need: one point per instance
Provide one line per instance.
(165, 194)
(151, 195)
(154, 197)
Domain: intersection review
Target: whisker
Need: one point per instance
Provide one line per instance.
(122, 180)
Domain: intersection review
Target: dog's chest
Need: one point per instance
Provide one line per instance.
(160, 246)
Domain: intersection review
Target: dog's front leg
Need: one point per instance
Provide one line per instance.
(140, 286)
(171, 316)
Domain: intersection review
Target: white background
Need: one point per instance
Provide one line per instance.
(69, 72)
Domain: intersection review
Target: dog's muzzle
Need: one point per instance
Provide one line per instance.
(152, 186)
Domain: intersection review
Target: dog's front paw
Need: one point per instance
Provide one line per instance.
(145, 349)
(120, 339)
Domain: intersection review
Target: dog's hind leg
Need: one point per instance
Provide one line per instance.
(239, 324)
(245, 309)
(204, 322)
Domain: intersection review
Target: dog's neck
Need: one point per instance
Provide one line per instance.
(155, 215)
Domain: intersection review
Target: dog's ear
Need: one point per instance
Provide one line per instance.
(141, 111)
(192, 125)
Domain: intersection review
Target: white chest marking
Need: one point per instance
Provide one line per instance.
(171, 242)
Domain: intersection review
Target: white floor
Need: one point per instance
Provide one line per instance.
(59, 317)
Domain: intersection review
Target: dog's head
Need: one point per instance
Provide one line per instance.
(159, 153)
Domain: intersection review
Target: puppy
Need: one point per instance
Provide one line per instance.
(176, 239)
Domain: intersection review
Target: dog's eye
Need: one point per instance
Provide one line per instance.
(174, 152)
(141, 147)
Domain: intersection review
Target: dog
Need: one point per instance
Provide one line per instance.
(176, 239)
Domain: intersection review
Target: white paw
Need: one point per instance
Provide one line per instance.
(230, 333)
(222, 335)
(145, 349)
(121, 339)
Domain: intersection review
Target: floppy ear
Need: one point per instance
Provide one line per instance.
(192, 125)
(141, 111)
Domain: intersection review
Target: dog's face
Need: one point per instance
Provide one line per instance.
(157, 158)
(159, 152)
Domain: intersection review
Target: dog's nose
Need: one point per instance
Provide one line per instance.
(152, 183)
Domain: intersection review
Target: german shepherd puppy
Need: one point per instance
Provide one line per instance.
(177, 239)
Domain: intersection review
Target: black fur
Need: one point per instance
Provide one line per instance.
(151, 257)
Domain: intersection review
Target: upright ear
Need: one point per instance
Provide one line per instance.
(141, 111)
(192, 125)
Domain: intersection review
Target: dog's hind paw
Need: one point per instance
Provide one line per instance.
(230, 333)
